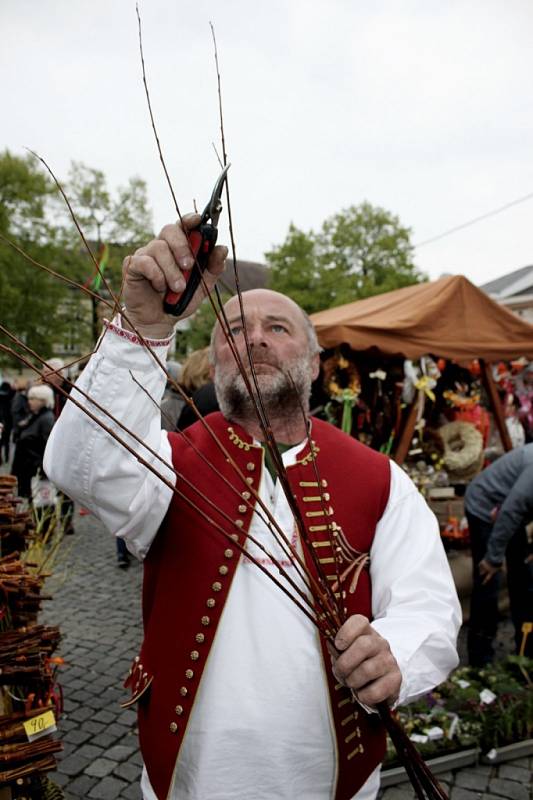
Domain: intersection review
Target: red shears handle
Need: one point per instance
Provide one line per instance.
(201, 240)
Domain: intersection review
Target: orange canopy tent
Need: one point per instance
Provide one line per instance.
(450, 317)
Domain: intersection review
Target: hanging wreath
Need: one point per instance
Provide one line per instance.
(343, 384)
(340, 377)
(463, 449)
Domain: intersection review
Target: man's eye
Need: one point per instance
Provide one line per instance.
(279, 329)
(235, 330)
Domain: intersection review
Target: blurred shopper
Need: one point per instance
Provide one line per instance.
(172, 402)
(499, 505)
(53, 374)
(196, 380)
(32, 435)
(6, 420)
(19, 404)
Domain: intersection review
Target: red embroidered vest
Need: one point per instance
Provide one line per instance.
(190, 567)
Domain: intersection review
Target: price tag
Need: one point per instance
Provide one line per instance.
(41, 725)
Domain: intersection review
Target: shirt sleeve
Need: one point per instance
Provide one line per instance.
(515, 512)
(89, 465)
(414, 601)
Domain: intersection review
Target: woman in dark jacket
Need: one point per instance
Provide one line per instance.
(33, 433)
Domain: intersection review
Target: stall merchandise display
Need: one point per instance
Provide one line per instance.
(484, 708)
(30, 697)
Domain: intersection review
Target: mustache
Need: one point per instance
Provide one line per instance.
(261, 358)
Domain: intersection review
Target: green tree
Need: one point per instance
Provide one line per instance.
(361, 251)
(31, 302)
(38, 308)
(295, 270)
(122, 220)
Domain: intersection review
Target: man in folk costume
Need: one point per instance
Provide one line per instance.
(237, 695)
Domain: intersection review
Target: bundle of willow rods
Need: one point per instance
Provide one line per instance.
(24, 654)
(16, 523)
(21, 589)
(26, 673)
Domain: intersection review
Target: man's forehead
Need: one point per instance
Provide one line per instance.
(265, 303)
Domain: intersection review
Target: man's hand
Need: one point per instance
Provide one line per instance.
(159, 267)
(487, 570)
(366, 663)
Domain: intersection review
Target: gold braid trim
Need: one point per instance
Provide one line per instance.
(315, 449)
(237, 441)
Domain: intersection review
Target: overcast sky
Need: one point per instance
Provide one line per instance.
(424, 108)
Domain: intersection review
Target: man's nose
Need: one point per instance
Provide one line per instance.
(256, 336)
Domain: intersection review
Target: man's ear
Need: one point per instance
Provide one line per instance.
(315, 366)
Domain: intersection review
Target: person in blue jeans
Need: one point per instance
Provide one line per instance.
(499, 505)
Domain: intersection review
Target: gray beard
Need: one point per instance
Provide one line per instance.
(282, 398)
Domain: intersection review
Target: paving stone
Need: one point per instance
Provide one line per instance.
(133, 792)
(93, 727)
(128, 717)
(120, 752)
(128, 772)
(60, 778)
(475, 781)
(72, 765)
(117, 730)
(509, 789)
(100, 767)
(81, 785)
(458, 793)
(77, 736)
(481, 769)
(104, 716)
(137, 758)
(523, 762)
(515, 773)
(81, 714)
(67, 724)
(104, 740)
(108, 789)
(398, 793)
(90, 751)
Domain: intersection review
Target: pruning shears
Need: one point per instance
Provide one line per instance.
(202, 240)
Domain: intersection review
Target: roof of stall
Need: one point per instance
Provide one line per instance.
(450, 317)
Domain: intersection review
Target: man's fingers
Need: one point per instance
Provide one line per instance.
(384, 688)
(371, 670)
(176, 238)
(355, 626)
(144, 267)
(160, 251)
(365, 647)
(215, 266)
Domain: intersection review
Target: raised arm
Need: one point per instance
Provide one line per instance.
(123, 377)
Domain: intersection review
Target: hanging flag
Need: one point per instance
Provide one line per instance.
(102, 258)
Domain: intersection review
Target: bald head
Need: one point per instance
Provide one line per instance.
(270, 301)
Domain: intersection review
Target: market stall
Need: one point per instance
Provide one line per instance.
(411, 373)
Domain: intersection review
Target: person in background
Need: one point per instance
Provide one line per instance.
(19, 404)
(52, 373)
(172, 402)
(6, 420)
(196, 380)
(499, 505)
(32, 435)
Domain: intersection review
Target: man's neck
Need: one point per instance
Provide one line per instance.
(285, 430)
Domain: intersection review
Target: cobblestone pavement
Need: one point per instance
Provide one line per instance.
(98, 609)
